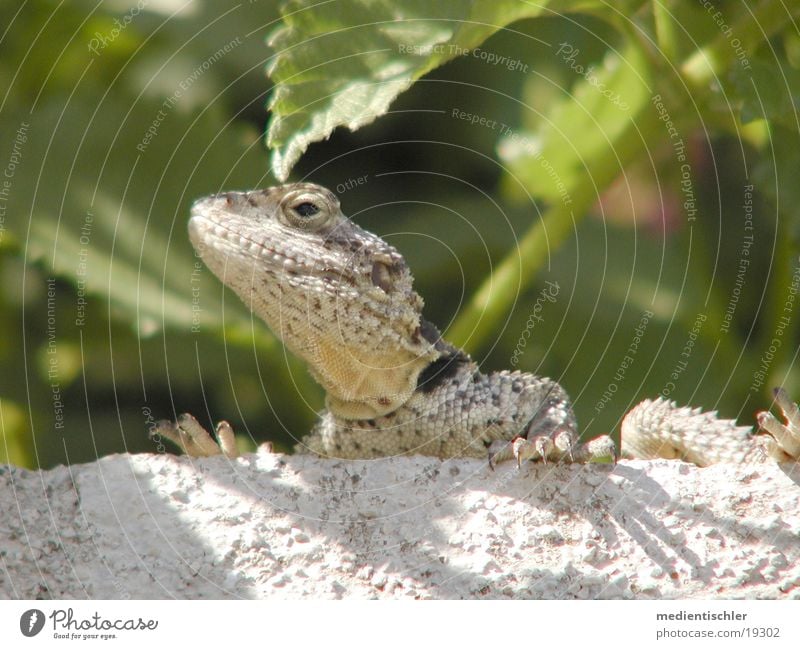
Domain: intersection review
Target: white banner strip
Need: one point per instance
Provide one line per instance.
(379, 624)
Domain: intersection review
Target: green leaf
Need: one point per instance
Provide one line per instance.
(14, 447)
(101, 196)
(768, 90)
(775, 176)
(578, 139)
(342, 64)
(574, 152)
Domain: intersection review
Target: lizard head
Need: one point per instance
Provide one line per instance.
(338, 296)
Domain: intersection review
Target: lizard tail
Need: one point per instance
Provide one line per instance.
(661, 429)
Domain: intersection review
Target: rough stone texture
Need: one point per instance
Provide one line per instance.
(266, 525)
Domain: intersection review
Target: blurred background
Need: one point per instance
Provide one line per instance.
(578, 193)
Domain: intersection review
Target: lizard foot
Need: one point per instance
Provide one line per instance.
(785, 443)
(560, 446)
(194, 440)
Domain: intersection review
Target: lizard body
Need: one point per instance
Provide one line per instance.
(342, 299)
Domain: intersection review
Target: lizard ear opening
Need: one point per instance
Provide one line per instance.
(382, 277)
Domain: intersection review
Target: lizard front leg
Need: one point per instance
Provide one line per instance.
(194, 440)
(507, 415)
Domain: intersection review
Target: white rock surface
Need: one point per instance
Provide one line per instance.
(148, 526)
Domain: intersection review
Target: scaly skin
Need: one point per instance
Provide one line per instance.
(342, 299)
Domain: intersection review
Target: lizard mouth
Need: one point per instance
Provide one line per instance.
(219, 244)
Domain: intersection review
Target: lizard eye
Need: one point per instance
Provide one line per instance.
(307, 210)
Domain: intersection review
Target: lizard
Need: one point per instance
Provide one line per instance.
(342, 299)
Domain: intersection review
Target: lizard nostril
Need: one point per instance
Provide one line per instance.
(381, 277)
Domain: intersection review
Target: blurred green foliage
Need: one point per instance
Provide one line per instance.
(641, 156)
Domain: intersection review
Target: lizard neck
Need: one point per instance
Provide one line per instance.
(364, 384)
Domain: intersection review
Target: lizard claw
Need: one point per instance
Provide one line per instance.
(227, 440)
(564, 442)
(599, 448)
(519, 449)
(544, 446)
(524, 449)
(194, 440)
(559, 447)
(786, 436)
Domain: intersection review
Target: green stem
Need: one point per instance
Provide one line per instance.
(712, 60)
(666, 30)
(489, 305)
(782, 317)
(484, 312)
